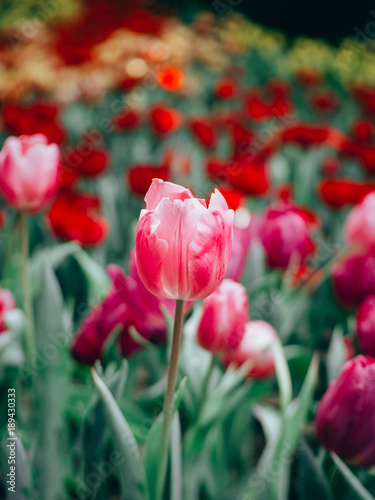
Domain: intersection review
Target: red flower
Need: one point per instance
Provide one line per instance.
(305, 134)
(324, 102)
(331, 166)
(2, 219)
(203, 131)
(338, 193)
(257, 109)
(40, 117)
(363, 131)
(366, 95)
(165, 120)
(367, 157)
(170, 78)
(73, 216)
(225, 88)
(140, 177)
(7, 303)
(90, 163)
(126, 120)
(308, 77)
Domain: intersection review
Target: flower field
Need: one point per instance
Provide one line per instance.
(187, 257)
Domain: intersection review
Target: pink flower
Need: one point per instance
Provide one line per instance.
(29, 171)
(354, 279)
(285, 235)
(346, 413)
(359, 227)
(365, 325)
(224, 317)
(7, 303)
(127, 303)
(256, 347)
(183, 247)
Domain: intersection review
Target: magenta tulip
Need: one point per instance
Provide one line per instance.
(365, 325)
(127, 304)
(285, 235)
(245, 226)
(224, 317)
(256, 347)
(354, 279)
(346, 414)
(360, 225)
(7, 303)
(183, 247)
(29, 171)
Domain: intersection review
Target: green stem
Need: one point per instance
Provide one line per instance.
(169, 394)
(206, 385)
(27, 299)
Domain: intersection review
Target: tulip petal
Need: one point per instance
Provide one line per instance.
(160, 189)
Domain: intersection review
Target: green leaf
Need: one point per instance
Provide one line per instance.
(131, 471)
(282, 374)
(351, 479)
(96, 277)
(153, 443)
(336, 354)
(312, 482)
(49, 365)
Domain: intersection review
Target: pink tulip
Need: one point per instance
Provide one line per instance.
(244, 229)
(365, 323)
(285, 235)
(7, 303)
(127, 304)
(224, 317)
(256, 347)
(346, 413)
(29, 171)
(183, 247)
(359, 227)
(354, 279)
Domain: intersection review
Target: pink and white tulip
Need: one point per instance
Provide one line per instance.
(359, 227)
(182, 246)
(29, 169)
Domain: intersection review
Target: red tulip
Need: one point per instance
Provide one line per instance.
(224, 316)
(183, 247)
(126, 120)
(170, 78)
(363, 131)
(285, 235)
(308, 77)
(203, 132)
(165, 120)
(346, 414)
(225, 88)
(305, 134)
(7, 303)
(29, 171)
(324, 102)
(140, 177)
(366, 155)
(90, 163)
(256, 347)
(233, 197)
(354, 279)
(73, 216)
(365, 325)
(338, 193)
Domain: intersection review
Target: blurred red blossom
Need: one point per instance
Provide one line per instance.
(165, 120)
(7, 303)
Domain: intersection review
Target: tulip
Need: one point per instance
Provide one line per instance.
(127, 304)
(337, 193)
(182, 246)
(165, 120)
(244, 230)
(365, 325)
(225, 88)
(7, 303)
(360, 224)
(256, 347)
(346, 413)
(29, 171)
(203, 132)
(224, 316)
(285, 235)
(354, 279)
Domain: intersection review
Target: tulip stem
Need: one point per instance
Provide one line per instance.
(206, 385)
(169, 395)
(27, 299)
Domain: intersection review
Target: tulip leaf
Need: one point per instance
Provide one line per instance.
(153, 443)
(336, 354)
(176, 459)
(355, 484)
(131, 471)
(282, 374)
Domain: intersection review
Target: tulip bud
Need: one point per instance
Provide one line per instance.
(285, 235)
(224, 317)
(365, 324)
(7, 303)
(346, 413)
(354, 279)
(182, 246)
(256, 347)
(360, 224)
(28, 171)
